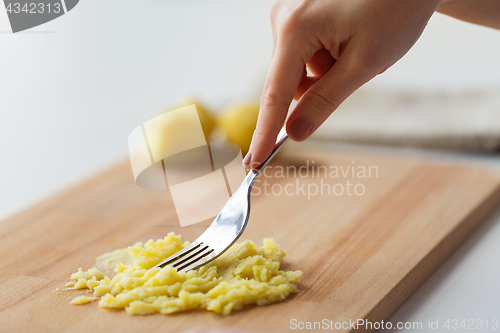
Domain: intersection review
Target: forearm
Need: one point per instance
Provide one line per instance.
(483, 12)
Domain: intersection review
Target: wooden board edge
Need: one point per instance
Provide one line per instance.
(424, 269)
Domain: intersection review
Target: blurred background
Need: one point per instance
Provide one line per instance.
(72, 89)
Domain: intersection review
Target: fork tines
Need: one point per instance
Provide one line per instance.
(189, 256)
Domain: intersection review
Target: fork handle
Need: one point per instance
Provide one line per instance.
(280, 141)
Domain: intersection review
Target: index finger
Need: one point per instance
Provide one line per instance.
(283, 78)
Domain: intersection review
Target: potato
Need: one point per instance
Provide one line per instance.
(206, 117)
(245, 274)
(238, 123)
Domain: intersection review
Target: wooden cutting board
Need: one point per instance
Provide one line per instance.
(362, 255)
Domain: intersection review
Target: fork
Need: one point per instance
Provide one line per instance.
(227, 226)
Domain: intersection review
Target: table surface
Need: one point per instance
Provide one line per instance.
(365, 255)
(466, 285)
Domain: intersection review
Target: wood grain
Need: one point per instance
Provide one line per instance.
(362, 256)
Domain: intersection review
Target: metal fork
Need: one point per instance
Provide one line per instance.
(227, 226)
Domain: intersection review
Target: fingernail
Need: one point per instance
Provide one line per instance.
(299, 128)
(248, 157)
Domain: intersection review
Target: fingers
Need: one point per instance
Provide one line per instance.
(304, 85)
(325, 94)
(283, 78)
(320, 63)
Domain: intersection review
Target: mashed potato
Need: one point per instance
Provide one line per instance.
(83, 300)
(244, 275)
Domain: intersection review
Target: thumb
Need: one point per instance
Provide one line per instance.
(325, 95)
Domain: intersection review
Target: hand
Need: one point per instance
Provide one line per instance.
(344, 43)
